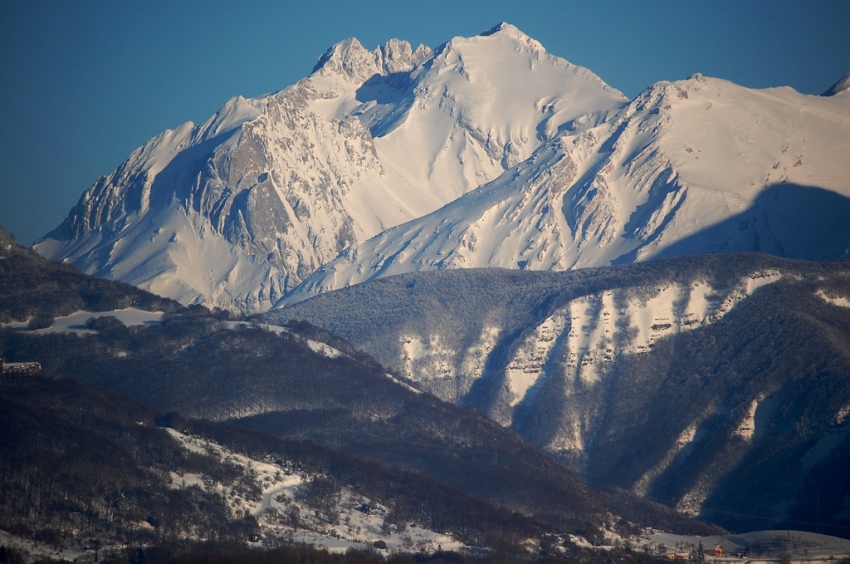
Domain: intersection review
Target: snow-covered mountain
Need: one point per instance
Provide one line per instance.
(695, 166)
(237, 211)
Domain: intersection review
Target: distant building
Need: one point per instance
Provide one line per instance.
(718, 551)
(18, 372)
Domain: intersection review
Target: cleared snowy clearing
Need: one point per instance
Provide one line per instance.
(840, 301)
(76, 322)
(282, 504)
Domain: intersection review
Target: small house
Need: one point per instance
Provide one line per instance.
(18, 372)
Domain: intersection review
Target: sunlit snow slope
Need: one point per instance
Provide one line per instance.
(695, 166)
(237, 211)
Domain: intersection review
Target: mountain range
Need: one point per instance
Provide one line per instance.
(237, 211)
(690, 167)
(486, 151)
(480, 270)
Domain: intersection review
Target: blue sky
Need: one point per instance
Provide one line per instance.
(84, 82)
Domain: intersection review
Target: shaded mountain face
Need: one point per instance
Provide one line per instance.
(237, 211)
(709, 382)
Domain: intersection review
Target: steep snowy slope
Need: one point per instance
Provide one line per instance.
(695, 166)
(237, 211)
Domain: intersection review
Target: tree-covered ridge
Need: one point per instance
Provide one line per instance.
(432, 462)
(33, 288)
(707, 382)
(83, 463)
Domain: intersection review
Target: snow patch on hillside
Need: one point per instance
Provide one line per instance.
(747, 426)
(590, 339)
(586, 335)
(431, 357)
(836, 300)
(526, 366)
(315, 346)
(274, 493)
(685, 438)
(475, 356)
(76, 322)
(404, 384)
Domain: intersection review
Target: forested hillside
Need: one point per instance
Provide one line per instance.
(84, 456)
(708, 382)
(37, 290)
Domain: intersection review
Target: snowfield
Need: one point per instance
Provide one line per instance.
(700, 165)
(76, 322)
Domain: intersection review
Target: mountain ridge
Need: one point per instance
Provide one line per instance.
(680, 379)
(378, 162)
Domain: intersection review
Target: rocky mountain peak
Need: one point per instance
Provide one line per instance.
(507, 30)
(399, 56)
(348, 58)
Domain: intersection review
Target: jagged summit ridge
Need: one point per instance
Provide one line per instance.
(349, 58)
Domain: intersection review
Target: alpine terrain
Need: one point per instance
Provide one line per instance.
(239, 210)
(493, 151)
(610, 302)
(146, 429)
(695, 166)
